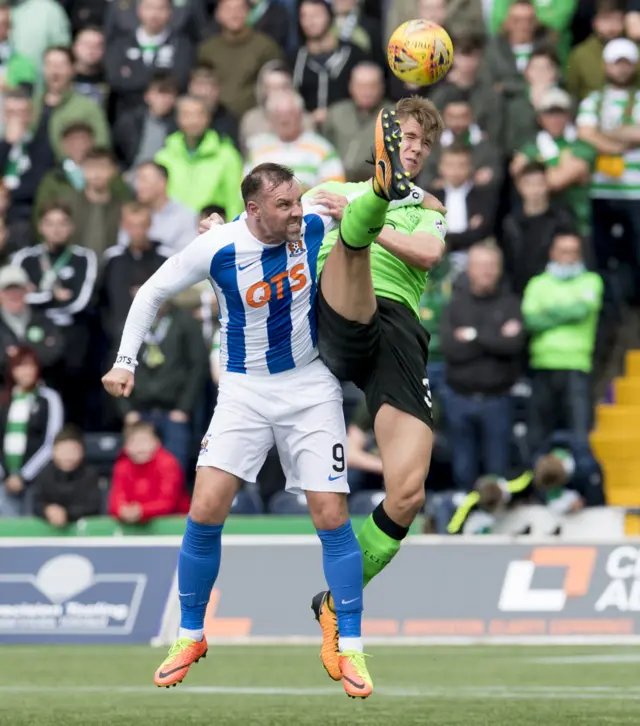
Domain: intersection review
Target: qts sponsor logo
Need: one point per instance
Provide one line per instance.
(261, 293)
(616, 589)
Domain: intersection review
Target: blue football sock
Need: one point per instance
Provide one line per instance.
(198, 566)
(342, 562)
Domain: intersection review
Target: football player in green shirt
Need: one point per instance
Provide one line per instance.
(372, 273)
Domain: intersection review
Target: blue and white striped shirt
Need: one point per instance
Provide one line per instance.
(266, 294)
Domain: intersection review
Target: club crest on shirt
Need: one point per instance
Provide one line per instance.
(295, 248)
(204, 446)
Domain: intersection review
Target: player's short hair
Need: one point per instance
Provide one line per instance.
(530, 168)
(100, 153)
(64, 49)
(135, 208)
(264, 177)
(425, 113)
(610, 6)
(78, 127)
(160, 168)
(69, 432)
(55, 206)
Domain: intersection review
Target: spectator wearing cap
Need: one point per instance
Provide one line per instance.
(585, 69)
(140, 132)
(530, 228)
(274, 76)
(31, 414)
(88, 53)
(237, 53)
(133, 58)
(59, 105)
(311, 157)
(482, 339)
(204, 168)
(67, 490)
(322, 66)
(172, 224)
(22, 325)
(560, 309)
(25, 157)
(609, 120)
(568, 160)
(460, 128)
(350, 123)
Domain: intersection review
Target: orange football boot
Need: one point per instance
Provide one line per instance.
(322, 606)
(182, 655)
(356, 680)
(391, 180)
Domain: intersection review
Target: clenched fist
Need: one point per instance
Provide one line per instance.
(211, 221)
(118, 382)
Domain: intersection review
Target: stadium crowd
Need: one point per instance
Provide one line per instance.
(122, 124)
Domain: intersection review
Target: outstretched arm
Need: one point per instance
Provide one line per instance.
(184, 269)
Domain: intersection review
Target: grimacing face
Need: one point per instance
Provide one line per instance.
(414, 151)
(278, 212)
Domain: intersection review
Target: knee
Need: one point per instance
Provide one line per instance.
(213, 495)
(328, 511)
(407, 498)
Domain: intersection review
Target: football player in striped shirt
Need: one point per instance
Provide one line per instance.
(273, 390)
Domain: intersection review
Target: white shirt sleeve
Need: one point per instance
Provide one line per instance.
(179, 272)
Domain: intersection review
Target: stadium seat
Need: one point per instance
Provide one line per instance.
(364, 503)
(101, 451)
(247, 501)
(285, 503)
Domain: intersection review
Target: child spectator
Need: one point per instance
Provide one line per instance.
(147, 480)
(66, 490)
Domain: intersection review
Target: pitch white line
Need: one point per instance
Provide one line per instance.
(585, 659)
(547, 693)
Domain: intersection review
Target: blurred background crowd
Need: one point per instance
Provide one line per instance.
(122, 122)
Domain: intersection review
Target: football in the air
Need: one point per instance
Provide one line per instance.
(420, 52)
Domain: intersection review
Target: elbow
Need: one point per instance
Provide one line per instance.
(430, 257)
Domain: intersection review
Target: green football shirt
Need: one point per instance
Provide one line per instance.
(392, 278)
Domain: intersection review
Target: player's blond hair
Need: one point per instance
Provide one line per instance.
(425, 113)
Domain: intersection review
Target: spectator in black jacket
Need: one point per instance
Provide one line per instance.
(25, 157)
(63, 276)
(88, 53)
(30, 417)
(128, 266)
(529, 232)
(21, 325)
(140, 132)
(132, 58)
(66, 489)
(170, 378)
(323, 64)
(482, 340)
(471, 209)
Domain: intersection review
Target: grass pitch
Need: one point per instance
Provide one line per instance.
(286, 686)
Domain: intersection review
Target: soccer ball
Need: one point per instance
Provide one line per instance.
(420, 52)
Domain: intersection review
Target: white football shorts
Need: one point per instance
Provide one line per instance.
(300, 411)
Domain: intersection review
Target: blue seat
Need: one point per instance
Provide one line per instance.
(101, 451)
(364, 503)
(247, 502)
(285, 503)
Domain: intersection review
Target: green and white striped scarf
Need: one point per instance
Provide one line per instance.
(15, 433)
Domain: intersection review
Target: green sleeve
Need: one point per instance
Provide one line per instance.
(20, 69)
(432, 223)
(586, 152)
(556, 14)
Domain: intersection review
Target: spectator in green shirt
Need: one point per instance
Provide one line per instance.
(568, 160)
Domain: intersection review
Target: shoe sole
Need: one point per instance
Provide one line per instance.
(175, 683)
(316, 604)
(389, 169)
